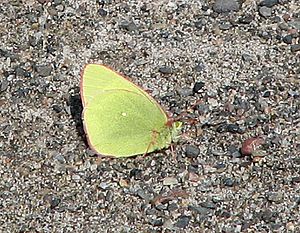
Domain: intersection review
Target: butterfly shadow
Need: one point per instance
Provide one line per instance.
(76, 109)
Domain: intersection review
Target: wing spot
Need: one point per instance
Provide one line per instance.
(124, 114)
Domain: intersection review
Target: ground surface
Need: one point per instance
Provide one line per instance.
(246, 65)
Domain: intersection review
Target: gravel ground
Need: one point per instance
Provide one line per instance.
(239, 60)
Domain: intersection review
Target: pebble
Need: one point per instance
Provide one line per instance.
(102, 12)
(4, 85)
(246, 19)
(44, 70)
(275, 197)
(231, 128)
(192, 151)
(269, 3)
(222, 6)
(128, 25)
(288, 39)
(183, 221)
(200, 210)
(265, 11)
(170, 181)
(251, 144)
(208, 205)
(225, 26)
(198, 86)
(229, 182)
(165, 70)
(295, 48)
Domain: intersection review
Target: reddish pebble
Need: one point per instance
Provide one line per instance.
(251, 144)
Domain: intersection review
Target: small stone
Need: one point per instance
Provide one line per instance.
(44, 70)
(198, 86)
(246, 57)
(102, 12)
(128, 25)
(4, 85)
(234, 151)
(136, 173)
(192, 151)
(208, 205)
(251, 144)
(22, 72)
(170, 181)
(246, 19)
(231, 128)
(103, 186)
(199, 67)
(296, 179)
(295, 48)
(268, 3)
(200, 210)
(124, 183)
(229, 182)
(274, 197)
(172, 207)
(288, 39)
(57, 108)
(156, 222)
(265, 11)
(200, 23)
(54, 202)
(76, 177)
(222, 6)
(225, 26)
(183, 221)
(142, 194)
(165, 70)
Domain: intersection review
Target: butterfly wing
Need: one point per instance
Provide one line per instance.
(124, 123)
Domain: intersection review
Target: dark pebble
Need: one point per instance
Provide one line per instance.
(54, 202)
(57, 108)
(288, 39)
(198, 86)
(172, 207)
(296, 179)
(295, 48)
(192, 151)
(44, 70)
(229, 182)
(234, 151)
(183, 221)
(208, 205)
(223, 214)
(165, 70)
(246, 19)
(268, 3)
(267, 216)
(156, 222)
(128, 25)
(22, 72)
(231, 128)
(200, 23)
(136, 173)
(222, 6)
(102, 12)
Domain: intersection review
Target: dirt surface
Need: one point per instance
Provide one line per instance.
(236, 167)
